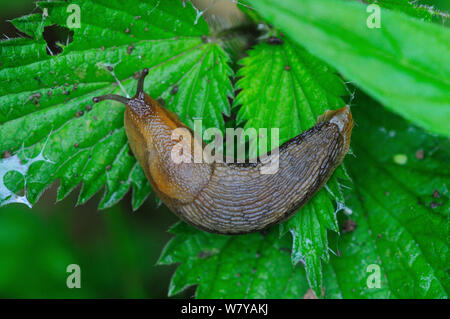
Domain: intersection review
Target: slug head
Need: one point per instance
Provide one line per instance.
(149, 127)
(139, 103)
(138, 110)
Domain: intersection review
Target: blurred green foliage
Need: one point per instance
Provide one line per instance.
(115, 249)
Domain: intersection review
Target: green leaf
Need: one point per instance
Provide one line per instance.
(244, 266)
(283, 86)
(45, 101)
(412, 8)
(401, 211)
(406, 74)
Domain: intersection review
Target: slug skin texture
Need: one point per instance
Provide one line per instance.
(232, 198)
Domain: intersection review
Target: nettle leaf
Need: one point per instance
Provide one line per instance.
(412, 8)
(244, 266)
(397, 220)
(45, 101)
(406, 74)
(283, 86)
(401, 207)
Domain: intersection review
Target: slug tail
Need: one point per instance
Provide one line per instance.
(343, 119)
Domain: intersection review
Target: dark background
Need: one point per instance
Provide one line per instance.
(117, 249)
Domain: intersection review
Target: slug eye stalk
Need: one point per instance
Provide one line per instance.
(113, 97)
(122, 99)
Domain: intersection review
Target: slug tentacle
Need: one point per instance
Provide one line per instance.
(231, 198)
(140, 85)
(113, 97)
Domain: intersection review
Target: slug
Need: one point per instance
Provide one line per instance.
(231, 198)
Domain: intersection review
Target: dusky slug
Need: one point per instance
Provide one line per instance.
(229, 198)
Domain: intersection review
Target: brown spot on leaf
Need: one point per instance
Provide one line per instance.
(310, 294)
(420, 154)
(130, 49)
(108, 167)
(35, 98)
(434, 205)
(274, 40)
(436, 194)
(203, 254)
(6, 154)
(174, 90)
(348, 226)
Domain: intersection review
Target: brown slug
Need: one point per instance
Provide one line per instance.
(230, 198)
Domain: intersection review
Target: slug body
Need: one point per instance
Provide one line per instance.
(232, 198)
